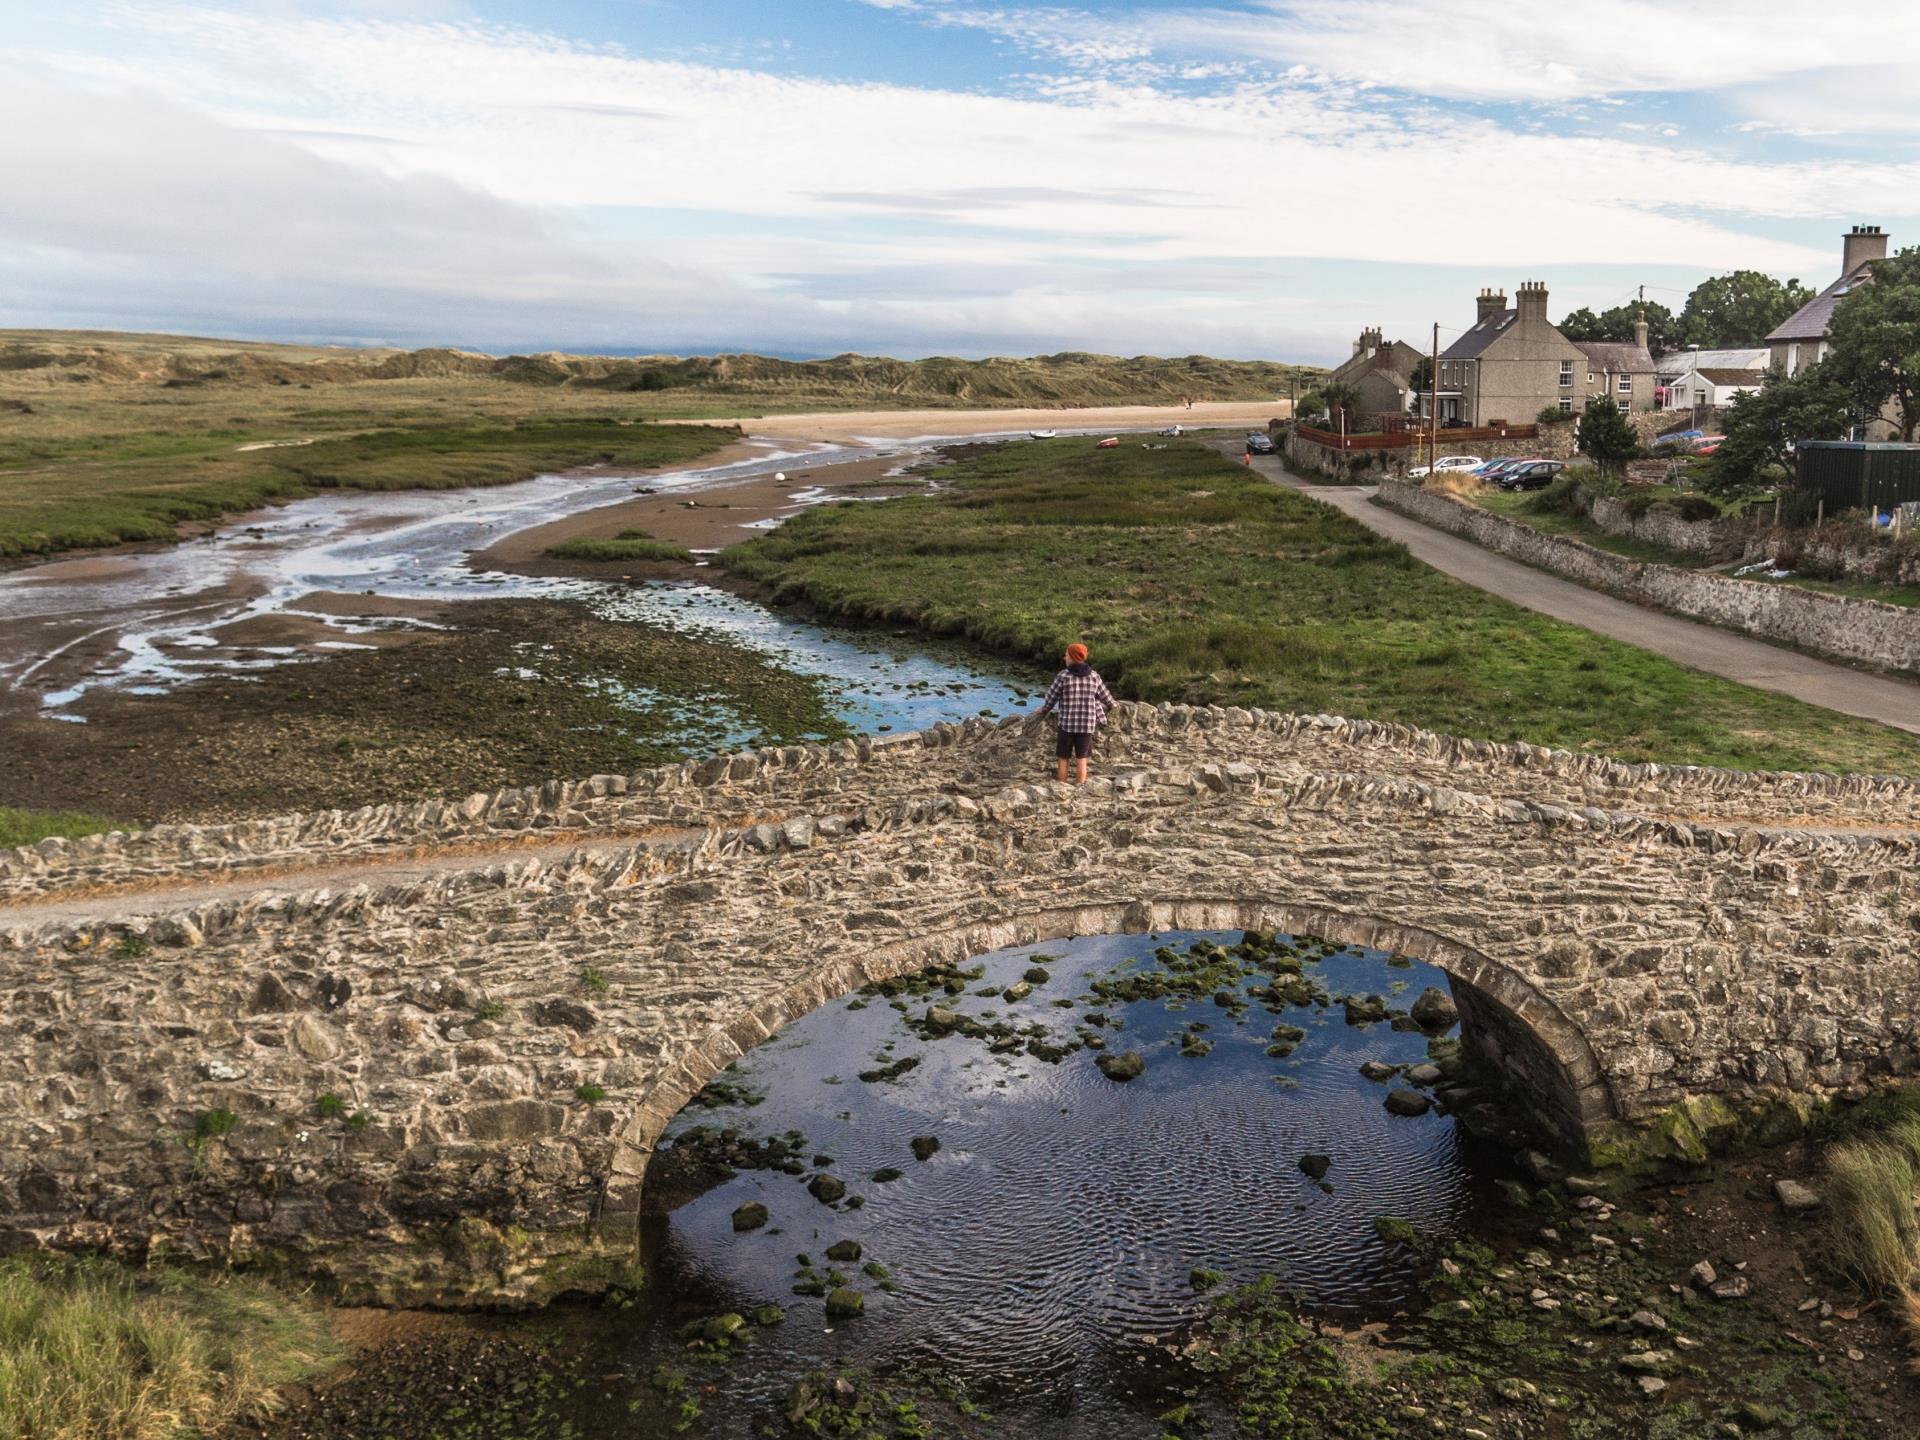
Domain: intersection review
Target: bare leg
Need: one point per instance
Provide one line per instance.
(1083, 770)
(1062, 772)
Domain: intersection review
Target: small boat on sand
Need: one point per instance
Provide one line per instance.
(1042, 435)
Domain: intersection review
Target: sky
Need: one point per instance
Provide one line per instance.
(1245, 178)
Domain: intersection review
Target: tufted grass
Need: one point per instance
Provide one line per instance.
(30, 827)
(627, 545)
(89, 1349)
(1194, 581)
(1872, 1227)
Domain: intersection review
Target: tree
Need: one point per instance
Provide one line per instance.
(1605, 435)
(1765, 424)
(1663, 329)
(1874, 342)
(1421, 381)
(1735, 311)
(1339, 397)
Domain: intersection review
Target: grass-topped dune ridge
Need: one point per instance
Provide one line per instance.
(1196, 581)
(849, 381)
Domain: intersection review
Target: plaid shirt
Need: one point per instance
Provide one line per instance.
(1083, 700)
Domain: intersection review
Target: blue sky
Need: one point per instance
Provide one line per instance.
(1252, 178)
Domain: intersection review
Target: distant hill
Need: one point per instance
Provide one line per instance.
(757, 381)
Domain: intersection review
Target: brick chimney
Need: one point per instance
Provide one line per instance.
(1531, 301)
(1861, 244)
(1372, 340)
(1491, 302)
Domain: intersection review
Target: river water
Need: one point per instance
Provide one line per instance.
(1042, 1261)
(148, 621)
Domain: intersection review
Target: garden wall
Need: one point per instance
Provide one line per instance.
(1868, 631)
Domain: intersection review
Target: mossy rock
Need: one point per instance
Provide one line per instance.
(845, 1303)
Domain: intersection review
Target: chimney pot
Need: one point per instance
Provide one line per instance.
(1864, 243)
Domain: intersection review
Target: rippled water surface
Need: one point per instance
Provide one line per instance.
(1041, 1255)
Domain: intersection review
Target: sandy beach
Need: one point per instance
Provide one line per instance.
(853, 426)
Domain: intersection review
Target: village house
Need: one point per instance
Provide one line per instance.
(1703, 387)
(1512, 364)
(1380, 373)
(1801, 339)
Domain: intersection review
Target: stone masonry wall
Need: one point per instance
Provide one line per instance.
(1843, 626)
(160, 1075)
(1661, 525)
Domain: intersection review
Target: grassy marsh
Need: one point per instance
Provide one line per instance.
(1194, 581)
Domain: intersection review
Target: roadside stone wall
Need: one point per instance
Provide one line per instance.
(1719, 539)
(1744, 941)
(1843, 626)
(1822, 553)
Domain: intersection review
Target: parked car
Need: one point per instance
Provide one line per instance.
(1493, 469)
(1112, 442)
(1446, 464)
(1531, 475)
(1259, 443)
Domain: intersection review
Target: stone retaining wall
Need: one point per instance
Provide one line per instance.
(1720, 539)
(161, 1072)
(1844, 627)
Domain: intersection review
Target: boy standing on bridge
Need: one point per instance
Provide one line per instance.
(1084, 700)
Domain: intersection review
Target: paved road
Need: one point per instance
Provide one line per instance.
(1702, 647)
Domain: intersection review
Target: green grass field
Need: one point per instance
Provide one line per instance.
(108, 485)
(1194, 581)
(108, 437)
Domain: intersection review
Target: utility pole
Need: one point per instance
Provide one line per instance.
(1433, 402)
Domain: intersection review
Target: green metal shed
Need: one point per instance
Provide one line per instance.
(1859, 475)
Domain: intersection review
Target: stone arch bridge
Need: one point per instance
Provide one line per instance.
(1653, 952)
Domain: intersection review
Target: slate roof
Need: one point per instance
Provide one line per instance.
(1622, 357)
(1811, 320)
(1719, 376)
(1480, 336)
(1679, 362)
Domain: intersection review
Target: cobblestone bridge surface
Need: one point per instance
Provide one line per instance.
(1653, 953)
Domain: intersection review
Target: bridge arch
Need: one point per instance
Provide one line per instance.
(1503, 1014)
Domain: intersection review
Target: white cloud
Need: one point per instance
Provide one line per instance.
(490, 184)
(1479, 49)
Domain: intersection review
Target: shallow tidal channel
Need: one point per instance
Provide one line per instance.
(1029, 1239)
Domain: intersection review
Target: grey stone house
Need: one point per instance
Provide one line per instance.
(1381, 373)
(1512, 364)
(1801, 339)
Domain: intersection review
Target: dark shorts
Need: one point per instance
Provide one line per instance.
(1068, 746)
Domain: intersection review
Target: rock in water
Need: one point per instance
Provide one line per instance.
(924, 1146)
(1364, 1009)
(826, 1189)
(1408, 1102)
(845, 1251)
(1377, 1070)
(1422, 1075)
(1434, 1010)
(1315, 1167)
(750, 1216)
(844, 1303)
(1130, 1066)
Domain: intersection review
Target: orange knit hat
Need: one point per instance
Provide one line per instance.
(1076, 654)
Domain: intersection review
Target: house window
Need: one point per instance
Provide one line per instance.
(1699, 397)
(1589, 377)
(1626, 384)
(1566, 401)
(1793, 360)
(1622, 406)
(1566, 372)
